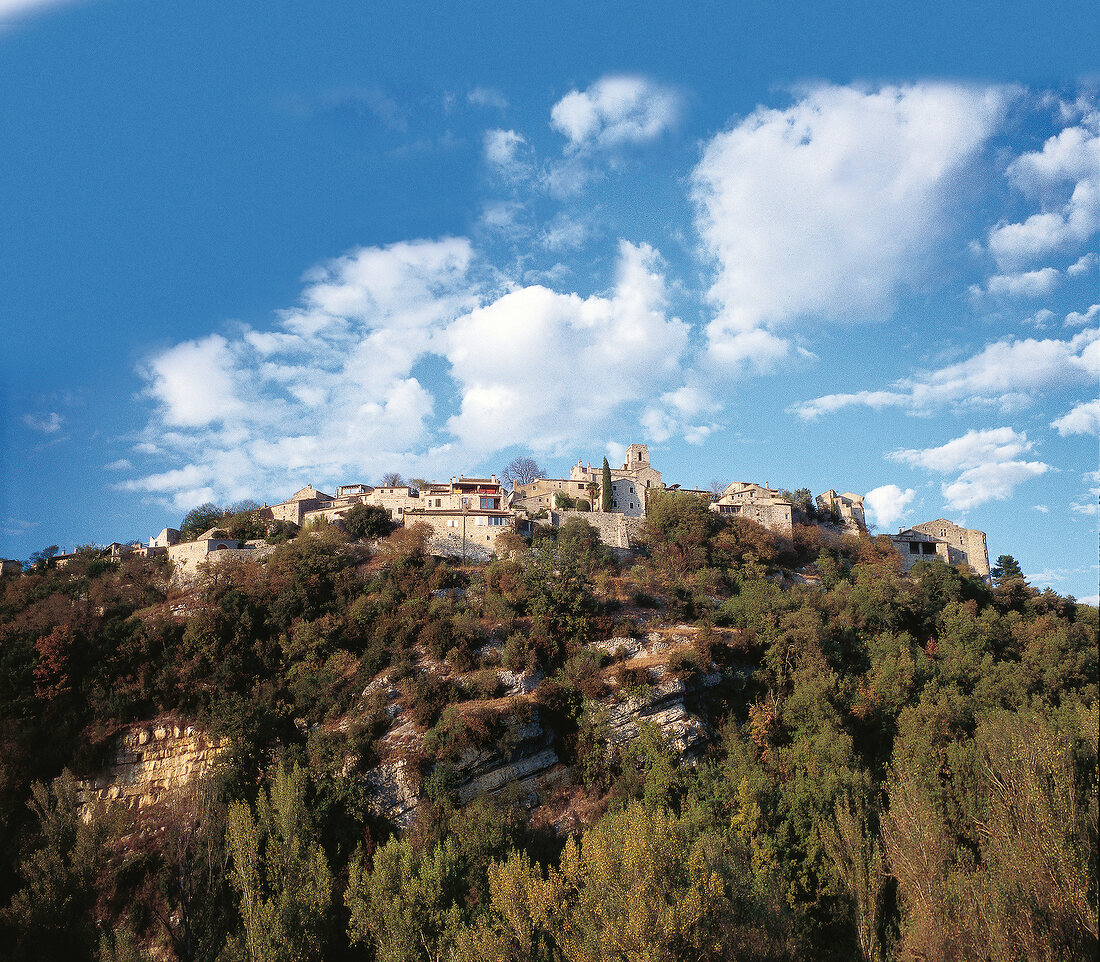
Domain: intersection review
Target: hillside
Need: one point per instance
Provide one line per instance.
(729, 745)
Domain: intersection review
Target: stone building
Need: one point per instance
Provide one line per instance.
(630, 484)
(759, 503)
(295, 507)
(472, 510)
(914, 546)
(963, 545)
(848, 507)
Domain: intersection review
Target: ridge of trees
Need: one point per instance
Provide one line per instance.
(899, 766)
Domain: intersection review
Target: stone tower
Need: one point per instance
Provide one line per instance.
(637, 456)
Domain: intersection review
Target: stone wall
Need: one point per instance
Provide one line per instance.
(616, 530)
(151, 761)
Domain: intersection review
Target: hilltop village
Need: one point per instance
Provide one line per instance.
(467, 515)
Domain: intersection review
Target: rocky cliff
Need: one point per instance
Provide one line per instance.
(149, 762)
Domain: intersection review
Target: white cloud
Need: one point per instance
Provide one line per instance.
(1082, 419)
(1041, 508)
(1006, 374)
(826, 209)
(1083, 264)
(47, 423)
(988, 461)
(887, 505)
(615, 110)
(685, 411)
(1072, 157)
(332, 391)
(1077, 319)
(1026, 284)
(122, 464)
(540, 368)
(828, 403)
(504, 151)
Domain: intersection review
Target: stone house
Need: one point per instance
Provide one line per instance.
(759, 503)
(965, 546)
(630, 484)
(471, 509)
(914, 546)
(295, 507)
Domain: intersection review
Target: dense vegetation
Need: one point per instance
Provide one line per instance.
(898, 767)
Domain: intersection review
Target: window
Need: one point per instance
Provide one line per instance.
(489, 504)
(914, 548)
(481, 521)
(453, 523)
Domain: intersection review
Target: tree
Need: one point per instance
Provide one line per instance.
(1006, 569)
(520, 471)
(605, 487)
(421, 484)
(391, 479)
(200, 519)
(716, 488)
(280, 873)
(368, 521)
(40, 560)
(51, 917)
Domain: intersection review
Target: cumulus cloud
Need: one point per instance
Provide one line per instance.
(1083, 264)
(1084, 418)
(1069, 160)
(887, 505)
(1024, 284)
(1006, 373)
(615, 110)
(540, 367)
(988, 461)
(332, 388)
(1079, 319)
(329, 388)
(825, 209)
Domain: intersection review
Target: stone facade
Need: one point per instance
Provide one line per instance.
(848, 507)
(295, 507)
(471, 510)
(640, 477)
(914, 546)
(965, 545)
(616, 530)
(759, 503)
(148, 762)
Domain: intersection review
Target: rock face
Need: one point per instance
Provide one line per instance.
(150, 761)
(525, 761)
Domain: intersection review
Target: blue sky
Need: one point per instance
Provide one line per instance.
(248, 246)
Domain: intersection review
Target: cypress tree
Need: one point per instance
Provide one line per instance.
(605, 501)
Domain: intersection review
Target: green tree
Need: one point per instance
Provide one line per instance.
(200, 519)
(605, 487)
(368, 521)
(51, 916)
(406, 904)
(1006, 569)
(280, 873)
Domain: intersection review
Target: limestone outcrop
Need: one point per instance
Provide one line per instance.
(149, 762)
